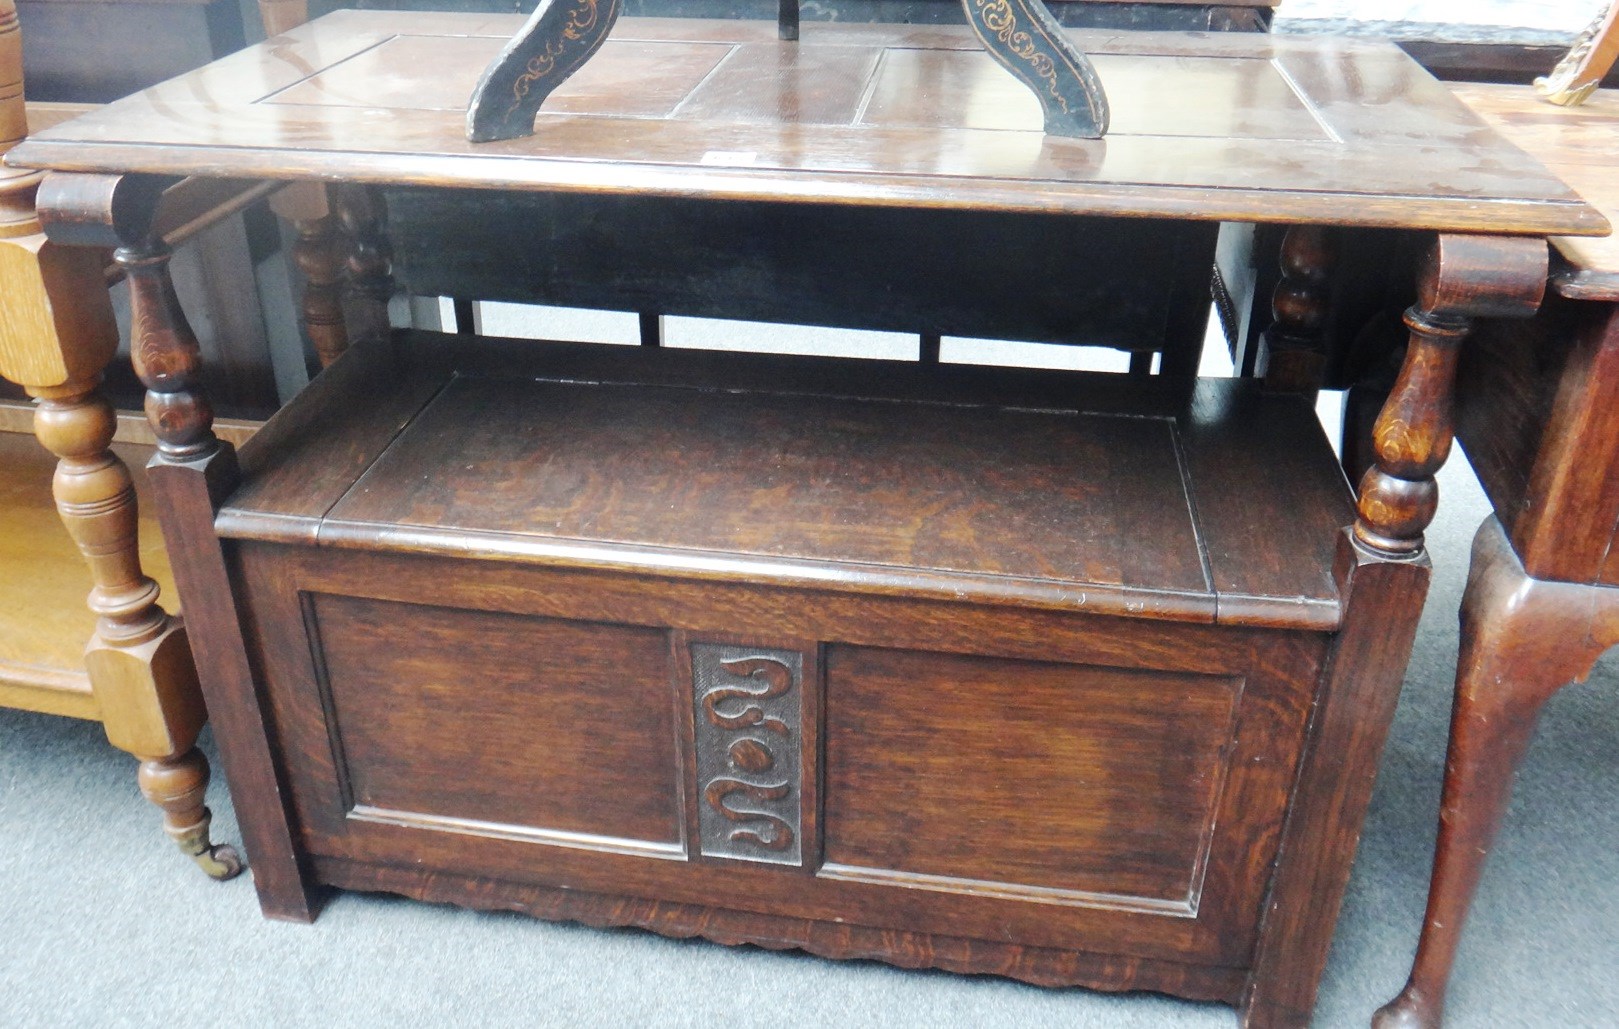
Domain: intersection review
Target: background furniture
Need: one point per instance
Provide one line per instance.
(1487, 41)
(136, 675)
(97, 51)
(1592, 57)
(741, 565)
(1536, 415)
(1496, 41)
(1162, 15)
(233, 275)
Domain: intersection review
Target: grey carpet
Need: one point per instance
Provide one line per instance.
(102, 924)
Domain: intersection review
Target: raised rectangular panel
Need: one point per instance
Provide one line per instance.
(1040, 781)
(494, 723)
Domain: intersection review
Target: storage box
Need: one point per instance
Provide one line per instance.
(975, 668)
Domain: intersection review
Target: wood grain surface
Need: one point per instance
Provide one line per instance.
(1023, 486)
(459, 803)
(1581, 146)
(1221, 126)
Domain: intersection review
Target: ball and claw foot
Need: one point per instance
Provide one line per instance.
(1410, 1010)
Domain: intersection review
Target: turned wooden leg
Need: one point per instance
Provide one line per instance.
(1463, 277)
(177, 785)
(56, 337)
(1382, 574)
(191, 475)
(369, 266)
(139, 662)
(1363, 401)
(1295, 347)
(320, 252)
(1523, 639)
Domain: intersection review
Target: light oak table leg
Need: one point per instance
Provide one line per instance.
(57, 334)
(191, 473)
(139, 661)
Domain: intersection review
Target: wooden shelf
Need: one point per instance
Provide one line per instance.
(44, 623)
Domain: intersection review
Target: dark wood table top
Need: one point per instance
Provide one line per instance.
(1581, 145)
(1233, 127)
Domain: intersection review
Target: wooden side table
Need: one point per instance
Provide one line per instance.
(134, 671)
(1078, 679)
(1537, 416)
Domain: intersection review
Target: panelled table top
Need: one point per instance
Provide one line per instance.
(1211, 126)
(1580, 144)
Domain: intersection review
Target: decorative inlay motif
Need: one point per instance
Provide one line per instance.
(1027, 41)
(749, 749)
(559, 37)
(581, 19)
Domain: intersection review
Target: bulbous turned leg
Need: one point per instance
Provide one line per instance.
(369, 264)
(1462, 278)
(1522, 640)
(191, 473)
(319, 255)
(139, 661)
(1295, 349)
(177, 785)
(320, 251)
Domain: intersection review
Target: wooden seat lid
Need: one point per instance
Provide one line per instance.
(1035, 489)
(1221, 126)
(1581, 145)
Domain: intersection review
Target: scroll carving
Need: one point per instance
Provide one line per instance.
(557, 40)
(562, 35)
(1026, 40)
(749, 751)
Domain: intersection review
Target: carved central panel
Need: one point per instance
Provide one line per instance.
(749, 743)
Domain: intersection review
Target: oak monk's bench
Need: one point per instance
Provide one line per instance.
(1079, 679)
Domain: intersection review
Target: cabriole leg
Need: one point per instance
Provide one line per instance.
(1522, 640)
